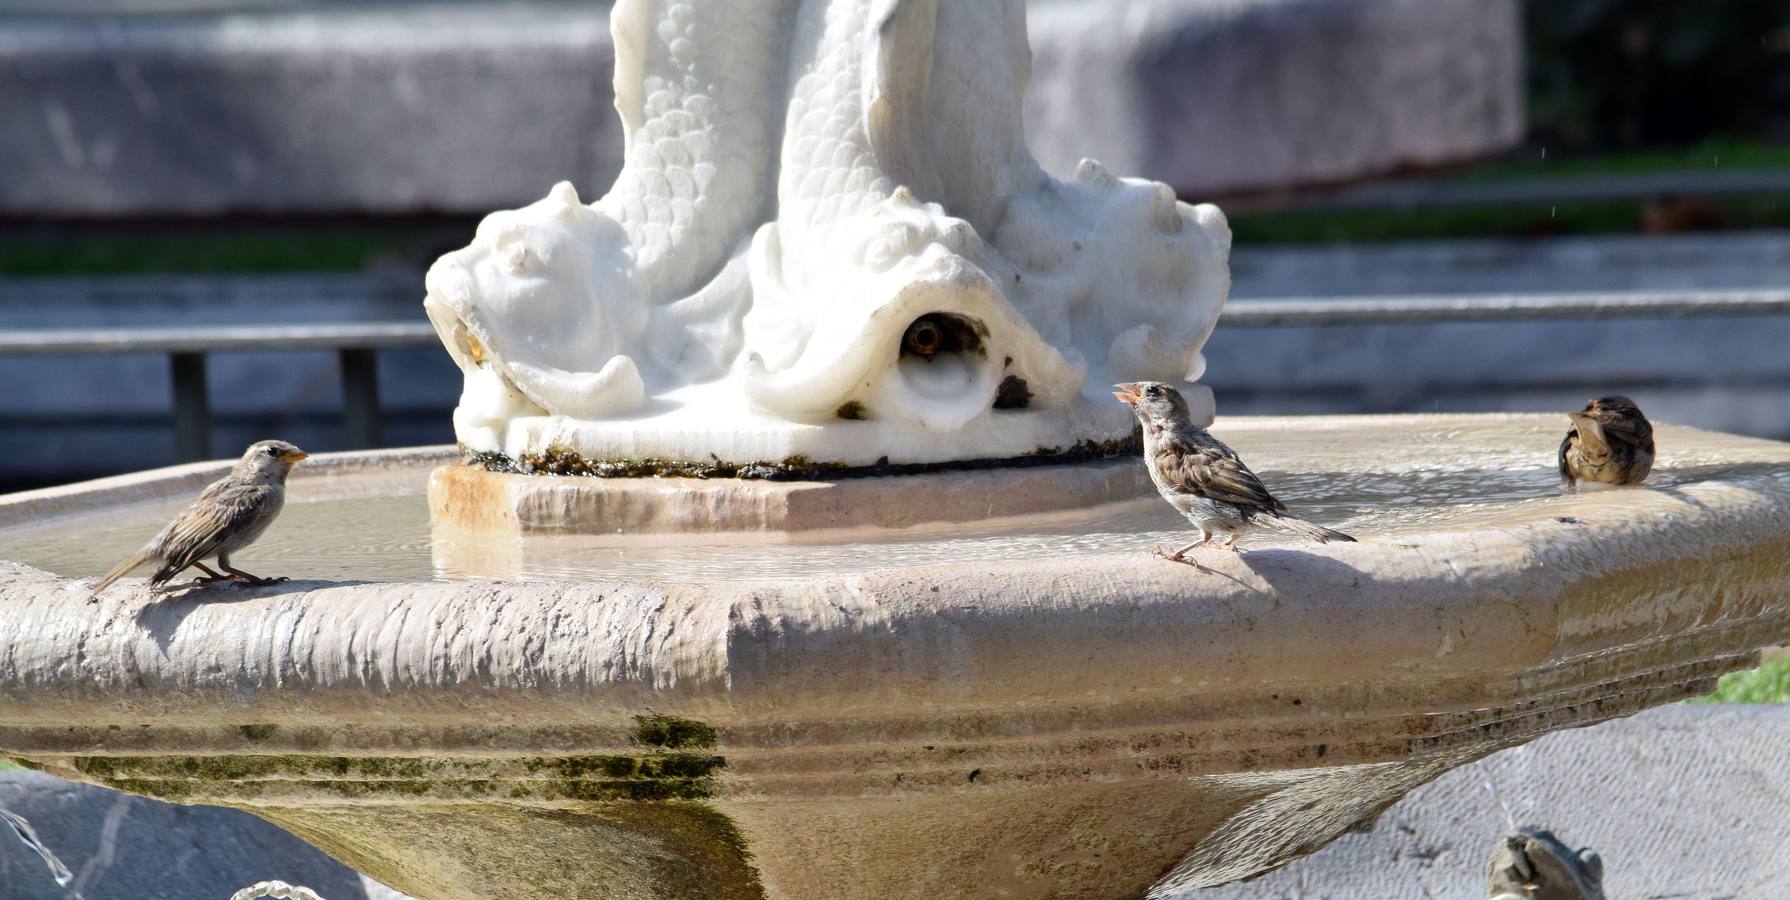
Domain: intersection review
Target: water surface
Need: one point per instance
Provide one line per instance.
(1375, 478)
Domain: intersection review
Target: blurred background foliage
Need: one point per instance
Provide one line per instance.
(1627, 74)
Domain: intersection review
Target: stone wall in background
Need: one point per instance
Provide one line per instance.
(465, 108)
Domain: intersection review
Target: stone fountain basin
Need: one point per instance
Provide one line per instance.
(1093, 724)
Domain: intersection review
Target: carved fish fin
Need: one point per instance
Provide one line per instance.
(630, 28)
(897, 89)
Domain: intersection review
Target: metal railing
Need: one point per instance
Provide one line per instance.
(357, 344)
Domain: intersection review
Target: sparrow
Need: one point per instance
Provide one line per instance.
(227, 517)
(1200, 476)
(1610, 441)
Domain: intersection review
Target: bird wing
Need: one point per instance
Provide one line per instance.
(1632, 430)
(1213, 471)
(1572, 437)
(202, 528)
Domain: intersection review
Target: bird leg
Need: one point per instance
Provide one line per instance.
(1230, 543)
(1161, 552)
(239, 575)
(210, 576)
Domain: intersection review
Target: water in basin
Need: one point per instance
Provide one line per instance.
(1377, 478)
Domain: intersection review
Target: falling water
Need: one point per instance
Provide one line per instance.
(279, 890)
(28, 834)
(1510, 821)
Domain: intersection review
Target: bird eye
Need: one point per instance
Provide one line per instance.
(273, 451)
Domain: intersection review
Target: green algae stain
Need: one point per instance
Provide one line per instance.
(672, 733)
(256, 732)
(668, 774)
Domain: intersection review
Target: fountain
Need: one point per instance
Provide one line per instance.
(791, 551)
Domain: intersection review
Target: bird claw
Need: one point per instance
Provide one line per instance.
(1161, 552)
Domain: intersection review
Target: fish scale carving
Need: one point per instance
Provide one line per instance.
(698, 118)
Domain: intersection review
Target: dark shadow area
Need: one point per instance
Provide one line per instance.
(162, 615)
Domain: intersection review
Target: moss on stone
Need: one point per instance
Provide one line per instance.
(672, 733)
(564, 461)
(669, 774)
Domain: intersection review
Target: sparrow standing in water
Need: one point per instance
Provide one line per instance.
(1200, 476)
(229, 516)
(1610, 441)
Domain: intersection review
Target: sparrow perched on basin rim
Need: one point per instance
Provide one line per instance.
(1200, 476)
(1610, 442)
(229, 516)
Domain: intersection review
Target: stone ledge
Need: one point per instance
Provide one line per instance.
(473, 499)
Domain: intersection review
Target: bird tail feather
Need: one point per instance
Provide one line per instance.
(121, 570)
(1312, 530)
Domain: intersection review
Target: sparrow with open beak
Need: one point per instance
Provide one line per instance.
(227, 517)
(1200, 476)
(1610, 442)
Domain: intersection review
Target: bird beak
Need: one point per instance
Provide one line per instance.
(1587, 425)
(294, 456)
(1127, 394)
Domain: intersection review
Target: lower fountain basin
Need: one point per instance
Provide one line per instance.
(1027, 707)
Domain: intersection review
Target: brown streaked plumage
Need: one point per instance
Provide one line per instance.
(1610, 442)
(227, 517)
(1200, 476)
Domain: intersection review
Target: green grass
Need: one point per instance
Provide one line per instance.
(1501, 220)
(1770, 683)
(1537, 219)
(1714, 154)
